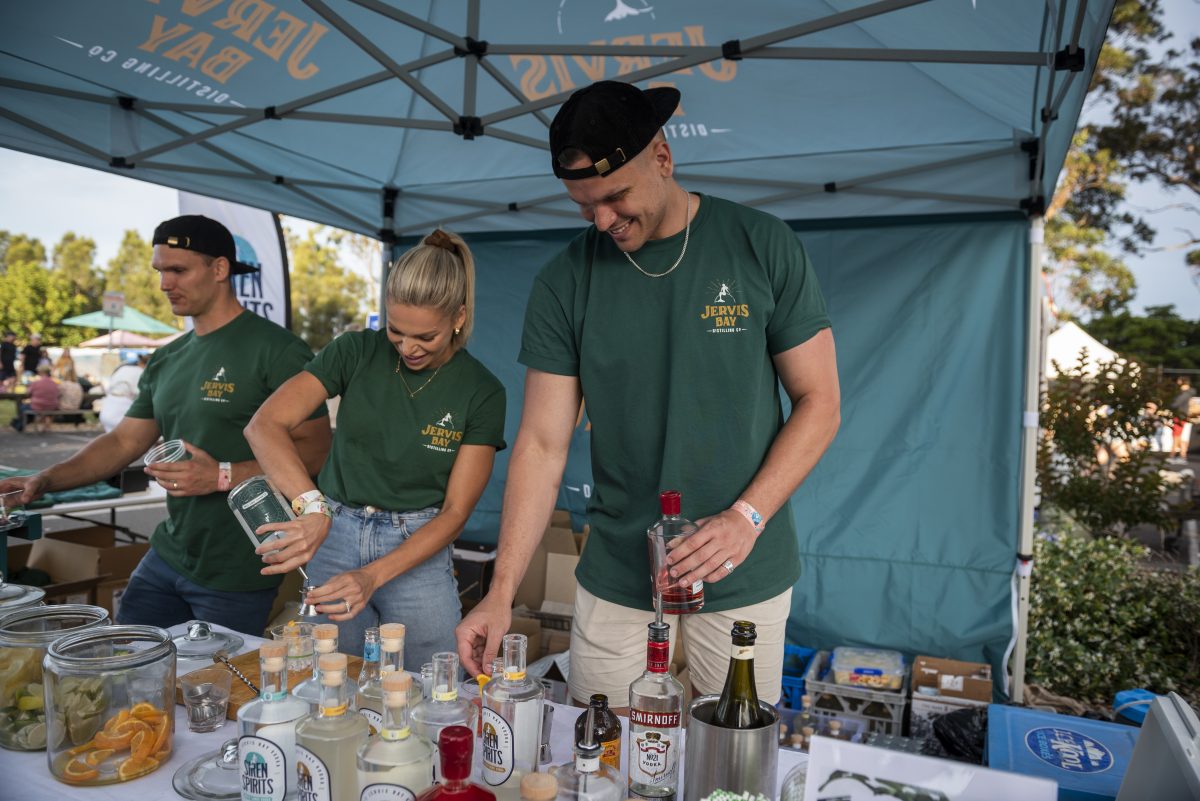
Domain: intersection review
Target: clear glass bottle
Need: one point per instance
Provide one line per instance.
(443, 707)
(512, 722)
(369, 697)
(676, 600)
(606, 730)
(395, 764)
(587, 778)
(325, 641)
(655, 721)
(267, 730)
(391, 657)
(327, 742)
(455, 745)
(738, 706)
(427, 680)
(805, 716)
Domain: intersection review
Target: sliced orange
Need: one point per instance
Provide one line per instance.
(162, 742)
(116, 720)
(79, 771)
(94, 758)
(79, 749)
(117, 742)
(145, 709)
(142, 744)
(132, 767)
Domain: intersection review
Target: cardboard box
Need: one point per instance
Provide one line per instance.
(959, 685)
(547, 592)
(86, 565)
(532, 629)
(473, 566)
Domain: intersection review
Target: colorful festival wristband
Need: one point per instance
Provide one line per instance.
(751, 514)
(224, 476)
(317, 508)
(304, 499)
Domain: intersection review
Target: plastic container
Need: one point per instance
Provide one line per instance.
(879, 711)
(795, 663)
(24, 637)
(110, 698)
(14, 597)
(868, 667)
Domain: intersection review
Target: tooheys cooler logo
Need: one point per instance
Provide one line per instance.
(442, 435)
(216, 388)
(724, 315)
(1069, 750)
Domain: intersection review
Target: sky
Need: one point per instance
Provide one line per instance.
(45, 199)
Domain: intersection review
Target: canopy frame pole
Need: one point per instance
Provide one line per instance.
(1029, 434)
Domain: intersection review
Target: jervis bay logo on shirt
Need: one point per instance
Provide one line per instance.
(443, 435)
(724, 315)
(217, 388)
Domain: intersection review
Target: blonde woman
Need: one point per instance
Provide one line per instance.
(419, 426)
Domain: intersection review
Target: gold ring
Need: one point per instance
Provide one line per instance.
(174, 485)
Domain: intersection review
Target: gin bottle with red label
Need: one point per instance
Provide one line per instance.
(671, 526)
(655, 718)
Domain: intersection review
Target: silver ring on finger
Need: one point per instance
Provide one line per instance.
(348, 607)
(728, 565)
(174, 485)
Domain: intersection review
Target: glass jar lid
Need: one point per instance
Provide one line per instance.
(111, 648)
(39, 626)
(216, 776)
(199, 639)
(19, 596)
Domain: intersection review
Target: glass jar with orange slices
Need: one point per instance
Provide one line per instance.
(24, 636)
(110, 695)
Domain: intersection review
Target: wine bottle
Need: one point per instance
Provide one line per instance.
(738, 706)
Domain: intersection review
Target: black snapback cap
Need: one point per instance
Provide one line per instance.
(202, 235)
(611, 122)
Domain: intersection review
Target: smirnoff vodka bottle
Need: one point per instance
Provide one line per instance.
(267, 731)
(512, 723)
(655, 712)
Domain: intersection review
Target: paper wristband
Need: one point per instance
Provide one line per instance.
(224, 476)
(751, 514)
(304, 499)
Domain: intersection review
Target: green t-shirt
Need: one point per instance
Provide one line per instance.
(679, 384)
(205, 390)
(392, 451)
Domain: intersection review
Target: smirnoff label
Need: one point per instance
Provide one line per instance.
(656, 720)
(654, 753)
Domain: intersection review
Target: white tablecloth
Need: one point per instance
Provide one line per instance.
(26, 777)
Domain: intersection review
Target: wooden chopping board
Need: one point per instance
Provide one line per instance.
(240, 694)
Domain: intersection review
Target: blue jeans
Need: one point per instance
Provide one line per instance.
(159, 596)
(425, 599)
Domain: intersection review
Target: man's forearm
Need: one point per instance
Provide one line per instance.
(533, 479)
(101, 458)
(795, 451)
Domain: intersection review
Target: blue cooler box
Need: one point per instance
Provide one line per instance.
(1087, 758)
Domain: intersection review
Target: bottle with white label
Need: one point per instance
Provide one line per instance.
(325, 641)
(327, 743)
(267, 730)
(512, 722)
(655, 717)
(442, 707)
(370, 689)
(395, 764)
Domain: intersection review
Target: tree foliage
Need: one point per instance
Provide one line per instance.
(326, 297)
(1161, 338)
(37, 297)
(130, 272)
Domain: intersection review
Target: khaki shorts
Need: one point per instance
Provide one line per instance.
(608, 646)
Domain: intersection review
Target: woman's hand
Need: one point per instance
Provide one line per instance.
(295, 545)
(344, 595)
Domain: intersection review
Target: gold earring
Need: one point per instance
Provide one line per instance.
(457, 331)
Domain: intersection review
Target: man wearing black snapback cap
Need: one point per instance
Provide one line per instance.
(202, 388)
(675, 317)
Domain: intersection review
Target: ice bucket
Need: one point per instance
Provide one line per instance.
(738, 760)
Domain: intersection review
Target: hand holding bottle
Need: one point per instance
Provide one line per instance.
(480, 633)
(721, 543)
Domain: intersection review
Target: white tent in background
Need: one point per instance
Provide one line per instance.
(1063, 346)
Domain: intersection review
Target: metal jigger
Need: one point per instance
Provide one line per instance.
(306, 609)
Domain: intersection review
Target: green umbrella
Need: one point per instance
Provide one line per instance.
(131, 320)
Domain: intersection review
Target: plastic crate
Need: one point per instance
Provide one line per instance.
(880, 711)
(795, 664)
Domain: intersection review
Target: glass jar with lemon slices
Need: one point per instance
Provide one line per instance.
(24, 637)
(110, 696)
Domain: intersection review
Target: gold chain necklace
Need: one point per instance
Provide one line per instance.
(411, 393)
(687, 229)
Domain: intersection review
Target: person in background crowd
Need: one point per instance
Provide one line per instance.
(43, 397)
(64, 367)
(1181, 428)
(691, 369)
(32, 354)
(122, 389)
(421, 423)
(202, 388)
(8, 356)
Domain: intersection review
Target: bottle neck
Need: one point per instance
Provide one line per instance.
(445, 678)
(658, 656)
(391, 656)
(514, 660)
(322, 647)
(273, 684)
(335, 700)
(395, 717)
(587, 763)
(370, 667)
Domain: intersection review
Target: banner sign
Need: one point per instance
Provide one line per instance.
(259, 241)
